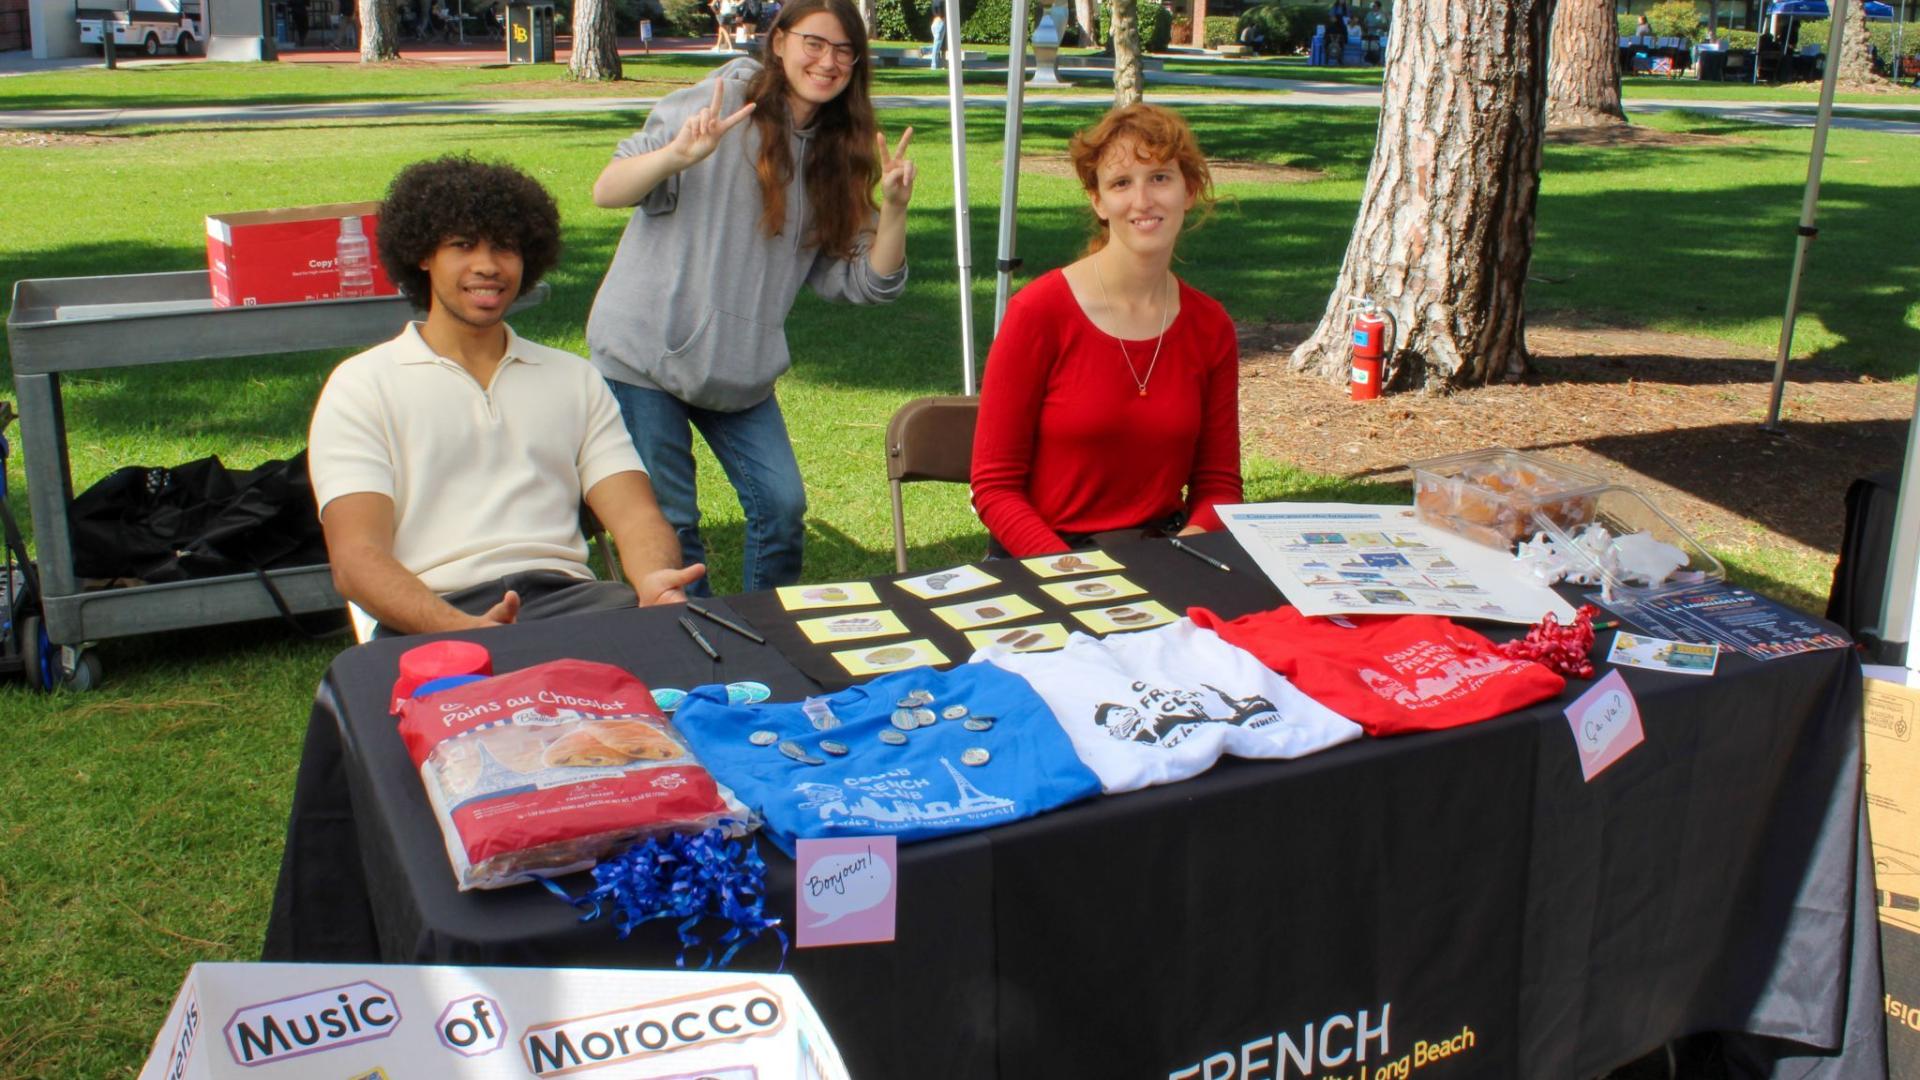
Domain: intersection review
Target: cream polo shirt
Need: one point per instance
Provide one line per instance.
(485, 481)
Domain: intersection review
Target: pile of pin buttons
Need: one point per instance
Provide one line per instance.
(910, 713)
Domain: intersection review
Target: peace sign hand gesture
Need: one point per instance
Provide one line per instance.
(896, 172)
(700, 136)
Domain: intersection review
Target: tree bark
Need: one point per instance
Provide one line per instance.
(869, 11)
(1127, 88)
(379, 31)
(1583, 73)
(1083, 12)
(596, 48)
(1856, 56)
(1445, 229)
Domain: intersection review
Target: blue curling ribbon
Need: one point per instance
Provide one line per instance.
(685, 877)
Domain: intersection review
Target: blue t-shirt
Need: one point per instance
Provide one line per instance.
(915, 791)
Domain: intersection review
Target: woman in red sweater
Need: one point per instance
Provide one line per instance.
(1111, 399)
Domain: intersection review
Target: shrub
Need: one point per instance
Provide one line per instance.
(1815, 31)
(1627, 23)
(901, 20)
(986, 22)
(1674, 18)
(1741, 39)
(684, 18)
(1221, 30)
(1288, 27)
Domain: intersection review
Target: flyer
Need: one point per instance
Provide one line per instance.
(1659, 654)
(1107, 588)
(1728, 615)
(1357, 559)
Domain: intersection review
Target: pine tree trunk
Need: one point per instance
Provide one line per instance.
(1083, 12)
(379, 31)
(1583, 73)
(596, 49)
(1856, 56)
(869, 11)
(1127, 88)
(1445, 230)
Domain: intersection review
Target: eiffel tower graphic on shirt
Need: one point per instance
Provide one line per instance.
(831, 801)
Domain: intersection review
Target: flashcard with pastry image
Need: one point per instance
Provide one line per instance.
(950, 582)
(879, 659)
(1107, 588)
(1134, 616)
(1073, 562)
(1042, 637)
(852, 626)
(997, 609)
(810, 597)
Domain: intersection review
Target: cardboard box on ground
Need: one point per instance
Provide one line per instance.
(296, 254)
(380, 1022)
(1892, 719)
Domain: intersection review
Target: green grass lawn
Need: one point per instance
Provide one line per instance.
(1634, 87)
(142, 831)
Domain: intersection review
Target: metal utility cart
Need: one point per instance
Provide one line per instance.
(61, 325)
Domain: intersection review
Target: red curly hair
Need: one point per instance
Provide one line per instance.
(1157, 135)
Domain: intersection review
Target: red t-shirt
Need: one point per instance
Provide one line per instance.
(1390, 674)
(1066, 442)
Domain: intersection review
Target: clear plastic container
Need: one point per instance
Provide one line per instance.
(1623, 511)
(1491, 496)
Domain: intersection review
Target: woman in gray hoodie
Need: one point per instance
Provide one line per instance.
(753, 183)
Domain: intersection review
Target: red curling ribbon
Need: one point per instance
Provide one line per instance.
(1563, 649)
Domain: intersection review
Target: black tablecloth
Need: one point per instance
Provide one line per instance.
(1462, 889)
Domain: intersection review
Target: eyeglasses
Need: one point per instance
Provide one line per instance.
(816, 47)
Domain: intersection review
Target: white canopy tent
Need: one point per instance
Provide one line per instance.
(1900, 612)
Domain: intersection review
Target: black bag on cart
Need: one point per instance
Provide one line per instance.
(196, 520)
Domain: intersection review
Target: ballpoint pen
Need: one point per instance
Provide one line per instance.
(1198, 554)
(715, 616)
(699, 638)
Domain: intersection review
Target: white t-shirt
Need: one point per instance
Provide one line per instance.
(1163, 705)
(485, 481)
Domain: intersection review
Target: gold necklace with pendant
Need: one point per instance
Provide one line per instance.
(1138, 380)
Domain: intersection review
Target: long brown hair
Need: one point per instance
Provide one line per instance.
(842, 167)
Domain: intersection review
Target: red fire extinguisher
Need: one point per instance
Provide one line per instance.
(1369, 349)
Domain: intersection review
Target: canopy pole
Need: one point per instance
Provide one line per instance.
(962, 221)
(1900, 606)
(1010, 161)
(1809, 204)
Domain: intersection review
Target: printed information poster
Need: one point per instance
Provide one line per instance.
(1355, 559)
(1728, 615)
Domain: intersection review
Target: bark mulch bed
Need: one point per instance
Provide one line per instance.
(1679, 418)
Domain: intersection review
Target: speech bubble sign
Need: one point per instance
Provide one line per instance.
(845, 890)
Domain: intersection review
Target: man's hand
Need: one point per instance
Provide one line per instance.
(501, 614)
(667, 586)
(700, 136)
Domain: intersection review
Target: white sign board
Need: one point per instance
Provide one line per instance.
(376, 1022)
(1346, 559)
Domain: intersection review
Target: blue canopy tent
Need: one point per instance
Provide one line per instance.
(1817, 9)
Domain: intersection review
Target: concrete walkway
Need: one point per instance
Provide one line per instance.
(1260, 92)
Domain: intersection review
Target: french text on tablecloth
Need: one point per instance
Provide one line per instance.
(309, 1023)
(1903, 1013)
(1345, 1041)
(653, 1029)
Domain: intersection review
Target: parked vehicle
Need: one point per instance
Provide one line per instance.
(147, 27)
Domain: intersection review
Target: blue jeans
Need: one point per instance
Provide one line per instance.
(753, 448)
(940, 43)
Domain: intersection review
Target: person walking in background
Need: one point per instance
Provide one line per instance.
(939, 33)
(297, 15)
(646, 37)
(723, 25)
(1643, 29)
(689, 325)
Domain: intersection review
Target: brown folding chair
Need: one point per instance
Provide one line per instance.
(929, 438)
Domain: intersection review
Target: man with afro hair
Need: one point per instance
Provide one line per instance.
(450, 463)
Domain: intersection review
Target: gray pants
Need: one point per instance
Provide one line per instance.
(544, 594)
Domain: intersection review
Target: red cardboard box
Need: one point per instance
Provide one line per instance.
(286, 256)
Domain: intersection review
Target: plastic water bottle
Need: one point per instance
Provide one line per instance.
(353, 259)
